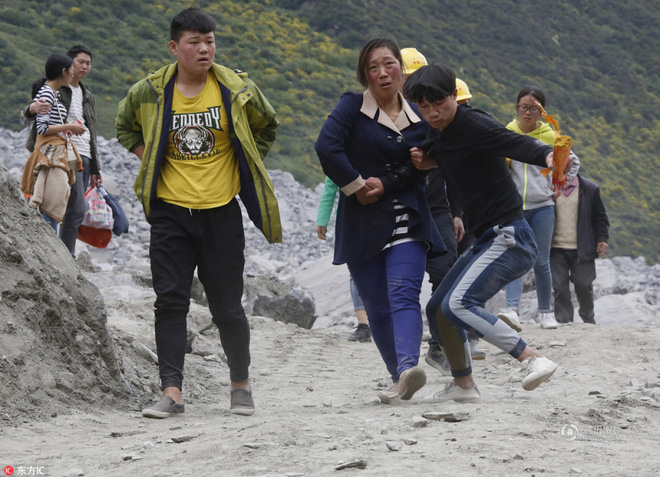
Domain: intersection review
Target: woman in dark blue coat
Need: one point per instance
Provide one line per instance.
(384, 226)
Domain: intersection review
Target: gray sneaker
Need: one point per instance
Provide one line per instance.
(166, 407)
(362, 334)
(436, 358)
(241, 402)
(451, 392)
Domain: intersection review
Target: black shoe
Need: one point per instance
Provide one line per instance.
(361, 334)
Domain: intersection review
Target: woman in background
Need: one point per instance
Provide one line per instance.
(538, 209)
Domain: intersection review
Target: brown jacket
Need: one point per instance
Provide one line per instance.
(48, 180)
(39, 158)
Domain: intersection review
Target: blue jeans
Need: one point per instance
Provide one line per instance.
(542, 222)
(355, 296)
(502, 253)
(50, 221)
(76, 207)
(389, 284)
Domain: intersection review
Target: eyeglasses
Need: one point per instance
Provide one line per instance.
(525, 109)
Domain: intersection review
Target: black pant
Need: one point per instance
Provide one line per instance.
(213, 241)
(564, 266)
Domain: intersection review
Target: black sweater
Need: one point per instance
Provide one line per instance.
(472, 152)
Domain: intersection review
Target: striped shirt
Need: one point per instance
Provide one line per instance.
(400, 233)
(57, 110)
(75, 115)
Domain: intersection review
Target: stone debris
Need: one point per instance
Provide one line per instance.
(446, 416)
(393, 446)
(420, 422)
(355, 464)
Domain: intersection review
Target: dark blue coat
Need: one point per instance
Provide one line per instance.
(353, 144)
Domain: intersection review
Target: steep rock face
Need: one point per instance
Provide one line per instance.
(54, 343)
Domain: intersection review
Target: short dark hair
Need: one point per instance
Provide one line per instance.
(535, 92)
(190, 19)
(76, 50)
(368, 49)
(430, 83)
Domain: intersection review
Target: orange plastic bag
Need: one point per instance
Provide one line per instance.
(99, 238)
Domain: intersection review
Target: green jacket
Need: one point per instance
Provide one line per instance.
(143, 118)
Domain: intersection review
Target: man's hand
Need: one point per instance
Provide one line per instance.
(95, 180)
(377, 189)
(139, 151)
(601, 248)
(363, 198)
(40, 106)
(421, 160)
(459, 229)
(321, 231)
(550, 162)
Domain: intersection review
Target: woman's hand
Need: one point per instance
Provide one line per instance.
(363, 197)
(377, 188)
(421, 160)
(321, 231)
(76, 128)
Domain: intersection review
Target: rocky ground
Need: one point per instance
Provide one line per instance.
(77, 364)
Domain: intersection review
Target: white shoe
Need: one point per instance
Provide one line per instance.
(451, 392)
(410, 381)
(476, 352)
(547, 321)
(510, 317)
(536, 370)
(390, 396)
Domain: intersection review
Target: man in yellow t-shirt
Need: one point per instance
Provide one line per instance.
(201, 131)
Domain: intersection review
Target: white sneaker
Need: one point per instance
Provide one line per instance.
(451, 392)
(411, 380)
(536, 370)
(510, 317)
(390, 396)
(547, 321)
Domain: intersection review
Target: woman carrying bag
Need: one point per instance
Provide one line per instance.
(50, 169)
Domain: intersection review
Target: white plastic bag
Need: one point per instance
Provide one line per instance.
(98, 214)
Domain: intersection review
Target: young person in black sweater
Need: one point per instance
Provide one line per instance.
(470, 148)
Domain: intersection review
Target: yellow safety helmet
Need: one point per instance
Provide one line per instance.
(463, 90)
(412, 60)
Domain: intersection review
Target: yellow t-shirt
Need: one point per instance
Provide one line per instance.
(200, 170)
